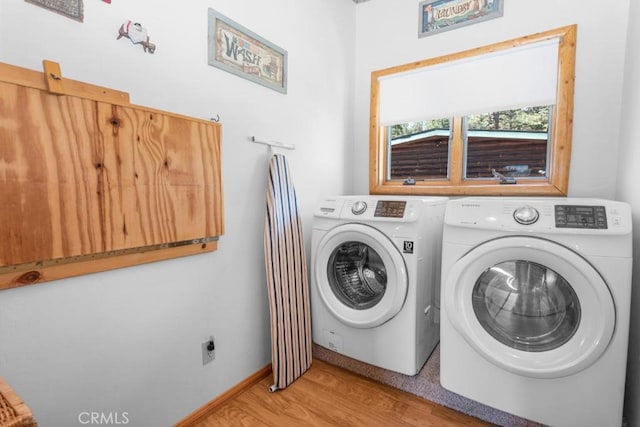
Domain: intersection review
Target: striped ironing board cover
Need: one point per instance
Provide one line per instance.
(287, 281)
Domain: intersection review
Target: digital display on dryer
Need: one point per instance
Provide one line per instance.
(571, 216)
(390, 209)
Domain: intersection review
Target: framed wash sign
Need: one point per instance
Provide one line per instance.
(236, 49)
(441, 15)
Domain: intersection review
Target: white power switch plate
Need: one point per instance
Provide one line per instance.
(207, 355)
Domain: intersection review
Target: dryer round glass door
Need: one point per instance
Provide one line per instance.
(526, 305)
(530, 306)
(360, 275)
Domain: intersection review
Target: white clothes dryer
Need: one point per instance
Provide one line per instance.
(375, 263)
(535, 306)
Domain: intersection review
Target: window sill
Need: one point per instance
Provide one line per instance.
(475, 188)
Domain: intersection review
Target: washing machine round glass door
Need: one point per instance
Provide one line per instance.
(360, 275)
(530, 306)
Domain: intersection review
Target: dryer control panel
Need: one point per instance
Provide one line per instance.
(581, 216)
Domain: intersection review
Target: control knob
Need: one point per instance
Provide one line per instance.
(526, 215)
(359, 207)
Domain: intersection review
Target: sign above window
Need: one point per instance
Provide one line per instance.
(442, 15)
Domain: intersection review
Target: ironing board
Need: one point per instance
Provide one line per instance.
(287, 281)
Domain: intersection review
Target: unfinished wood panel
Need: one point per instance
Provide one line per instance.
(87, 185)
(157, 177)
(48, 183)
(69, 267)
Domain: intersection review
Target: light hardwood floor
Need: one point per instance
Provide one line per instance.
(330, 396)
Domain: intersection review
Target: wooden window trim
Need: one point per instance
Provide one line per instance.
(560, 141)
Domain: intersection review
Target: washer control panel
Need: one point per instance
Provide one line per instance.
(581, 216)
(390, 209)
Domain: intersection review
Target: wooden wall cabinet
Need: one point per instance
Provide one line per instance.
(89, 182)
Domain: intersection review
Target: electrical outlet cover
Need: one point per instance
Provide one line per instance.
(207, 356)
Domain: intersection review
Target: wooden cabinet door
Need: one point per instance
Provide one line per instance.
(160, 177)
(48, 182)
(87, 185)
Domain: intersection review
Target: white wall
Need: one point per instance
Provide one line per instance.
(386, 35)
(628, 178)
(129, 340)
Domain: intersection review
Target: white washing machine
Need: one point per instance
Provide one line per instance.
(375, 263)
(535, 306)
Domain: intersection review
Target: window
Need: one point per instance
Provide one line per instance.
(492, 120)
